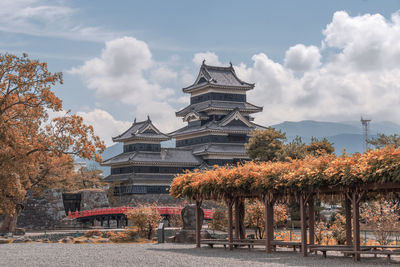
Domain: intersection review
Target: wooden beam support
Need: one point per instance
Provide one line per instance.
(269, 225)
(311, 217)
(356, 224)
(229, 203)
(237, 219)
(198, 223)
(347, 207)
(303, 218)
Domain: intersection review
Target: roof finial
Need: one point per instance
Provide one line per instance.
(134, 120)
(204, 61)
(230, 63)
(148, 117)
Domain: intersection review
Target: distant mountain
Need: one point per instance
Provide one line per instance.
(310, 128)
(344, 135)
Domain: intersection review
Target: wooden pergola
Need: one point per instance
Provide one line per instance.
(352, 179)
(352, 198)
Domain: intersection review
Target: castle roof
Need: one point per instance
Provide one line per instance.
(213, 76)
(140, 177)
(221, 126)
(167, 156)
(220, 149)
(144, 130)
(220, 106)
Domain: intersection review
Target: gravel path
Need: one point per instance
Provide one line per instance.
(42, 254)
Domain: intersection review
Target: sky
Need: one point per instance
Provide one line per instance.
(314, 60)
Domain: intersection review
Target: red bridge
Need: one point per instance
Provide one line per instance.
(119, 214)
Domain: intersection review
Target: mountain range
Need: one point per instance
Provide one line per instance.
(345, 136)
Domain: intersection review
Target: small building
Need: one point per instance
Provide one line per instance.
(219, 123)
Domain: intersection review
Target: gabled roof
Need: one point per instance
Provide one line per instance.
(141, 130)
(194, 115)
(167, 156)
(234, 116)
(219, 105)
(213, 76)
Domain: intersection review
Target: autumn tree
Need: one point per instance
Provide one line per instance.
(35, 152)
(265, 145)
(383, 140)
(319, 147)
(145, 218)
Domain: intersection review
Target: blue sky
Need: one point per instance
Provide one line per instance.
(322, 60)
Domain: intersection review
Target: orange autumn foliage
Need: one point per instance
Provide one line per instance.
(265, 179)
(36, 152)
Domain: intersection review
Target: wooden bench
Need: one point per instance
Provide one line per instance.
(281, 243)
(224, 242)
(250, 243)
(324, 249)
(388, 253)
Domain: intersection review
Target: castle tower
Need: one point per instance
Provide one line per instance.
(219, 117)
(144, 167)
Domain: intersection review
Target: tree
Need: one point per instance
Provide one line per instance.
(84, 178)
(265, 145)
(145, 218)
(383, 217)
(35, 152)
(319, 147)
(295, 149)
(385, 140)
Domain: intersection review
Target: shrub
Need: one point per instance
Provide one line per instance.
(91, 233)
(219, 220)
(321, 233)
(383, 217)
(338, 229)
(175, 220)
(145, 218)
(255, 214)
(128, 235)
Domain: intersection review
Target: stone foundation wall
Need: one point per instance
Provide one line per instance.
(42, 212)
(93, 199)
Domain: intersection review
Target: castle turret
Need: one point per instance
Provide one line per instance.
(144, 167)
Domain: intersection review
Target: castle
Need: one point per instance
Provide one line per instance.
(219, 123)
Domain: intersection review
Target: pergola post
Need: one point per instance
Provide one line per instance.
(230, 224)
(356, 224)
(311, 216)
(303, 218)
(198, 223)
(347, 207)
(269, 224)
(237, 219)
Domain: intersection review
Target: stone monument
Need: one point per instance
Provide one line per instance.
(188, 232)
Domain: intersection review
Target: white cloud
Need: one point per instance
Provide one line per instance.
(210, 57)
(104, 124)
(125, 72)
(47, 18)
(360, 75)
(302, 58)
(164, 75)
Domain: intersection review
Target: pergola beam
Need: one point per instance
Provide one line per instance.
(269, 224)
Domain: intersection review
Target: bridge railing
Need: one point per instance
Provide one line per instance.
(163, 210)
